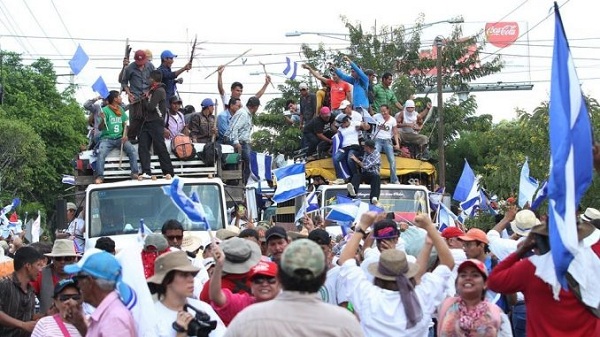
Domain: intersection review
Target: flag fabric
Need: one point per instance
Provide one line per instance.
(471, 205)
(260, 166)
(100, 87)
(291, 182)
(68, 179)
(527, 186)
(445, 218)
(78, 61)
(484, 203)
(435, 198)
(540, 195)
(36, 229)
(571, 165)
(291, 68)
(464, 188)
(336, 146)
(190, 206)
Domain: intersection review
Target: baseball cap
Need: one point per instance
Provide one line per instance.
(253, 102)
(452, 232)
(325, 111)
(370, 143)
(385, 229)
(167, 54)
(139, 56)
(409, 104)
(341, 118)
(474, 263)
(303, 259)
(344, 104)
(303, 86)
(62, 284)
(275, 232)
(320, 236)
(72, 206)
(174, 99)
(266, 268)
(475, 234)
(207, 102)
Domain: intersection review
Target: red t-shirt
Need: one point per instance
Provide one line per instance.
(545, 316)
(234, 303)
(338, 92)
(232, 282)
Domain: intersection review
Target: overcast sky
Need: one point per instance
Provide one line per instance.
(54, 28)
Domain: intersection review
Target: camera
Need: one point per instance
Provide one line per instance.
(201, 325)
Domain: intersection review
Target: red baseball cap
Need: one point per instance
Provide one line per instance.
(266, 268)
(475, 234)
(480, 266)
(140, 57)
(452, 232)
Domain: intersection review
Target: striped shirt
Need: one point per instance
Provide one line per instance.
(47, 327)
(16, 303)
(240, 127)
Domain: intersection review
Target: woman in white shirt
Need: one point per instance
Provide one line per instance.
(173, 281)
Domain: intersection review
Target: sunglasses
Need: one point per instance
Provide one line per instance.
(74, 297)
(65, 258)
(175, 237)
(262, 279)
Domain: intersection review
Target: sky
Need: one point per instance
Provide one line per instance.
(54, 28)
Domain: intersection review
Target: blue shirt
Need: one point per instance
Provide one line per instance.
(168, 78)
(371, 162)
(223, 119)
(360, 86)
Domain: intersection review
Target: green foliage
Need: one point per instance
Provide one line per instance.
(54, 121)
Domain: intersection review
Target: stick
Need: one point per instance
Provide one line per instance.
(228, 63)
(121, 153)
(127, 56)
(214, 136)
(193, 49)
(265, 70)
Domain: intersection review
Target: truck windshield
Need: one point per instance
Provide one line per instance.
(392, 199)
(118, 210)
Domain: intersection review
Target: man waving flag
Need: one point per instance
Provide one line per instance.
(570, 152)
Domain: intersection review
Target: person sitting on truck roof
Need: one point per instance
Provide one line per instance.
(112, 122)
(203, 125)
(410, 123)
(174, 119)
(319, 131)
(351, 123)
(369, 173)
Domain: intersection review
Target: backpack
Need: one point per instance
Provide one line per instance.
(183, 148)
(209, 153)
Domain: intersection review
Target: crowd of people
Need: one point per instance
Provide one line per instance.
(155, 115)
(382, 279)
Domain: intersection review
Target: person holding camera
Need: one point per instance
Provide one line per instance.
(179, 314)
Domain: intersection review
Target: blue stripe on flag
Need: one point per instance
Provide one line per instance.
(260, 166)
(290, 69)
(291, 182)
(540, 196)
(570, 152)
(465, 183)
(336, 145)
(445, 218)
(78, 61)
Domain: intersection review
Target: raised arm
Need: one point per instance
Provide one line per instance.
(444, 254)
(220, 70)
(215, 293)
(264, 87)
(315, 73)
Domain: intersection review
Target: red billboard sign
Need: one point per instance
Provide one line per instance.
(501, 34)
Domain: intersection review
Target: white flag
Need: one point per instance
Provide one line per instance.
(36, 229)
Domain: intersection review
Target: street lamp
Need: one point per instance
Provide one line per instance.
(440, 108)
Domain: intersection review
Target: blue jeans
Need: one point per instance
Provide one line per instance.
(106, 145)
(519, 314)
(388, 148)
(344, 156)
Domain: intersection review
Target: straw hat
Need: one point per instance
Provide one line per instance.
(190, 243)
(392, 263)
(524, 221)
(176, 260)
(63, 247)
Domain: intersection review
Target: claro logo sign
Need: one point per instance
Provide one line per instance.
(501, 34)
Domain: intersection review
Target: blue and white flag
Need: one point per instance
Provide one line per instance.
(291, 182)
(471, 205)
(260, 166)
(540, 196)
(445, 218)
(291, 68)
(465, 185)
(571, 163)
(190, 206)
(86, 73)
(435, 198)
(309, 204)
(527, 186)
(336, 146)
(68, 179)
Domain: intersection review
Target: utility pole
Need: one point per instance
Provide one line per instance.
(440, 108)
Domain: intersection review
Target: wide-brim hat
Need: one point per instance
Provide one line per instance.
(190, 243)
(63, 247)
(165, 263)
(240, 255)
(590, 214)
(583, 230)
(393, 263)
(524, 221)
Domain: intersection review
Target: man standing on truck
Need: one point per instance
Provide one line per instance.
(240, 130)
(112, 123)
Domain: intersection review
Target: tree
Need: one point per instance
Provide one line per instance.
(31, 98)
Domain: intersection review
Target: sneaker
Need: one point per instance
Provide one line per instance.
(168, 176)
(145, 176)
(339, 182)
(375, 202)
(134, 176)
(351, 191)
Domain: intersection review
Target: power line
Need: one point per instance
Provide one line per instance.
(61, 19)
(40, 26)
(15, 28)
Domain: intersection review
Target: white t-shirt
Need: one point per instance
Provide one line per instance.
(76, 230)
(166, 317)
(350, 136)
(331, 292)
(384, 128)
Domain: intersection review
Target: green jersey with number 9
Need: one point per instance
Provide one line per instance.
(114, 123)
